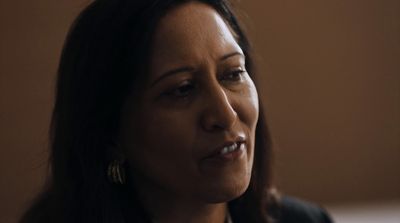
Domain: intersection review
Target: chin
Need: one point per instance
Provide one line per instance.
(226, 192)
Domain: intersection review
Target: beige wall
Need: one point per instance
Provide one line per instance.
(330, 81)
(332, 91)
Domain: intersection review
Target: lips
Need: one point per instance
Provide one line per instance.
(227, 147)
(230, 148)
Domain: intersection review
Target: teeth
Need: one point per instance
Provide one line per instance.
(228, 149)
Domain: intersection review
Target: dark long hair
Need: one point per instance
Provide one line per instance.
(103, 59)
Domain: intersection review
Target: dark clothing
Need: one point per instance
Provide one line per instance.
(293, 210)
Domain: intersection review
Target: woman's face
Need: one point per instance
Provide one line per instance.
(198, 100)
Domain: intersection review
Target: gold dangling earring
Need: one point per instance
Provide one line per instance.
(115, 172)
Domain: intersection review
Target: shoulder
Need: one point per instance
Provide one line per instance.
(293, 210)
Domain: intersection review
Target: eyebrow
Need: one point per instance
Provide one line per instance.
(190, 69)
(236, 53)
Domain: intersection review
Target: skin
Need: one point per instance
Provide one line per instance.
(183, 115)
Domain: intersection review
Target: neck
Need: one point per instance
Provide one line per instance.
(166, 207)
(213, 213)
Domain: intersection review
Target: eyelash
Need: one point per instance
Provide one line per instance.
(190, 85)
(239, 71)
(173, 92)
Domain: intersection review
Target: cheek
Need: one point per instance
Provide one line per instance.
(249, 106)
(163, 139)
(168, 128)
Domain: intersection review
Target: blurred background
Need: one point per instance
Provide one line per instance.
(330, 82)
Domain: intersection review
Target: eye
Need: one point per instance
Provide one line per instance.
(182, 91)
(235, 75)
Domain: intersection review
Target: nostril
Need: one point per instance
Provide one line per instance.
(218, 110)
(219, 120)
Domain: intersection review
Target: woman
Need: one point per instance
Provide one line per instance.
(157, 119)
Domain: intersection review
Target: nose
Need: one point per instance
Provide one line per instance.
(218, 112)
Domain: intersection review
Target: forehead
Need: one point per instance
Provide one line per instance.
(191, 32)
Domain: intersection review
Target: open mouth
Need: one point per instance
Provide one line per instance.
(227, 149)
(229, 152)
